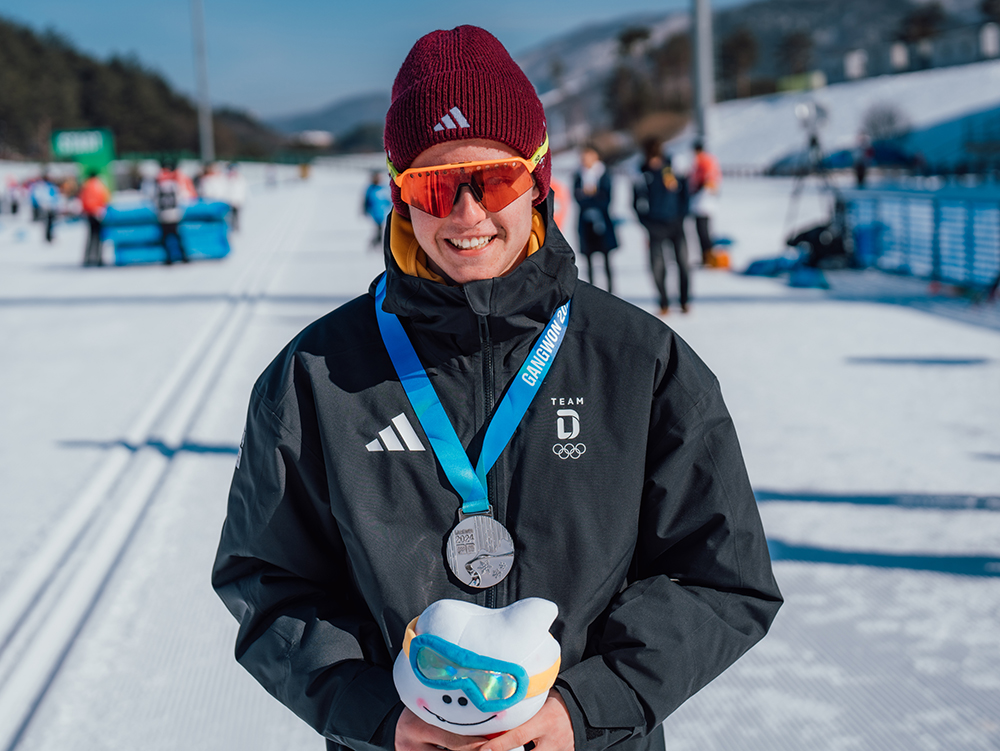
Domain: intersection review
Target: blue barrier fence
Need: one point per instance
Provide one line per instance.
(135, 232)
(949, 235)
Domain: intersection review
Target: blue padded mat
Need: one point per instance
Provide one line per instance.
(135, 232)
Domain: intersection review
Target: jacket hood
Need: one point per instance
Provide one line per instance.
(515, 304)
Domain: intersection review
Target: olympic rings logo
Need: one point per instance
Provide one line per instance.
(569, 450)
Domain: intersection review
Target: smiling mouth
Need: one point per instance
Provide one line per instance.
(471, 243)
(463, 724)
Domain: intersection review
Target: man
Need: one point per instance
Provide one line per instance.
(705, 181)
(660, 200)
(615, 473)
(94, 200)
(174, 190)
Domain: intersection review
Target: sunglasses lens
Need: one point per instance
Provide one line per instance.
(503, 183)
(495, 185)
(431, 192)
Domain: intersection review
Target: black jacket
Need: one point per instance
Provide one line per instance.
(654, 202)
(648, 539)
(594, 225)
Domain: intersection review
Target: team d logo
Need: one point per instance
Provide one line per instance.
(567, 424)
(568, 428)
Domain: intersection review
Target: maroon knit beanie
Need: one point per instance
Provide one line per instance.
(462, 84)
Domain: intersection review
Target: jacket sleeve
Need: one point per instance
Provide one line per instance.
(578, 193)
(305, 633)
(700, 591)
(640, 196)
(604, 192)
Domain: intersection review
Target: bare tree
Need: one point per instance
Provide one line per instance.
(795, 52)
(739, 53)
(923, 22)
(557, 69)
(629, 96)
(884, 121)
(632, 38)
(629, 93)
(672, 72)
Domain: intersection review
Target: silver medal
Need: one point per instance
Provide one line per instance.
(480, 550)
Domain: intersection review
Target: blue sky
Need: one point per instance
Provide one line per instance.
(277, 57)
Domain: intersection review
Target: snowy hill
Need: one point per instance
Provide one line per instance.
(938, 104)
(571, 71)
(584, 55)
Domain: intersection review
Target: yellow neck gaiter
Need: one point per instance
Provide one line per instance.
(412, 259)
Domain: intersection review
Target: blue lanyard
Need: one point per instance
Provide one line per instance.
(468, 482)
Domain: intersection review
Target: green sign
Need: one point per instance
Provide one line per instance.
(91, 148)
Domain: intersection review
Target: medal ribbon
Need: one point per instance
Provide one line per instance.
(468, 482)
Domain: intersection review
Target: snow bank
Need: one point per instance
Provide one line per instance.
(754, 133)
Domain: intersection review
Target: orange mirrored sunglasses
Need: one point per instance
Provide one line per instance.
(495, 183)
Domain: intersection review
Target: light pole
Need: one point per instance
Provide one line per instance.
(704, 68)
(205, 136)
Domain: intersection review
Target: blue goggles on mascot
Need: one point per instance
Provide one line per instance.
(492, 685)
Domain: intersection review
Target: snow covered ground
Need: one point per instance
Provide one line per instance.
(869, 417)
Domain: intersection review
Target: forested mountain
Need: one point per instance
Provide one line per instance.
(46, 84)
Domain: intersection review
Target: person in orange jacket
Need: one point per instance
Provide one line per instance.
(94, 198)
(704, 183)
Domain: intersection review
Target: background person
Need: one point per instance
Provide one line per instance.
(237, 194)
(45, 203)
(94, 199)
(174, 190)
(15, 192)
(592, 191)
(631, 509)
(704, 183)
(376, 206)
(213, 185)
(660, 200)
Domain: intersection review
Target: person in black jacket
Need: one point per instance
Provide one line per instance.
(618, 480)
(661, 203)
(592, 191)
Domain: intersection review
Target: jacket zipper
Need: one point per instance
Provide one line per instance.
(488, 398)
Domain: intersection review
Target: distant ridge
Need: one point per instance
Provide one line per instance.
(340, 117)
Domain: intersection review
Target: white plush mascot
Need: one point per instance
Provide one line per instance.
(478, 671)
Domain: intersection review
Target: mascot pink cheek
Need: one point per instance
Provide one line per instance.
(421, 703)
